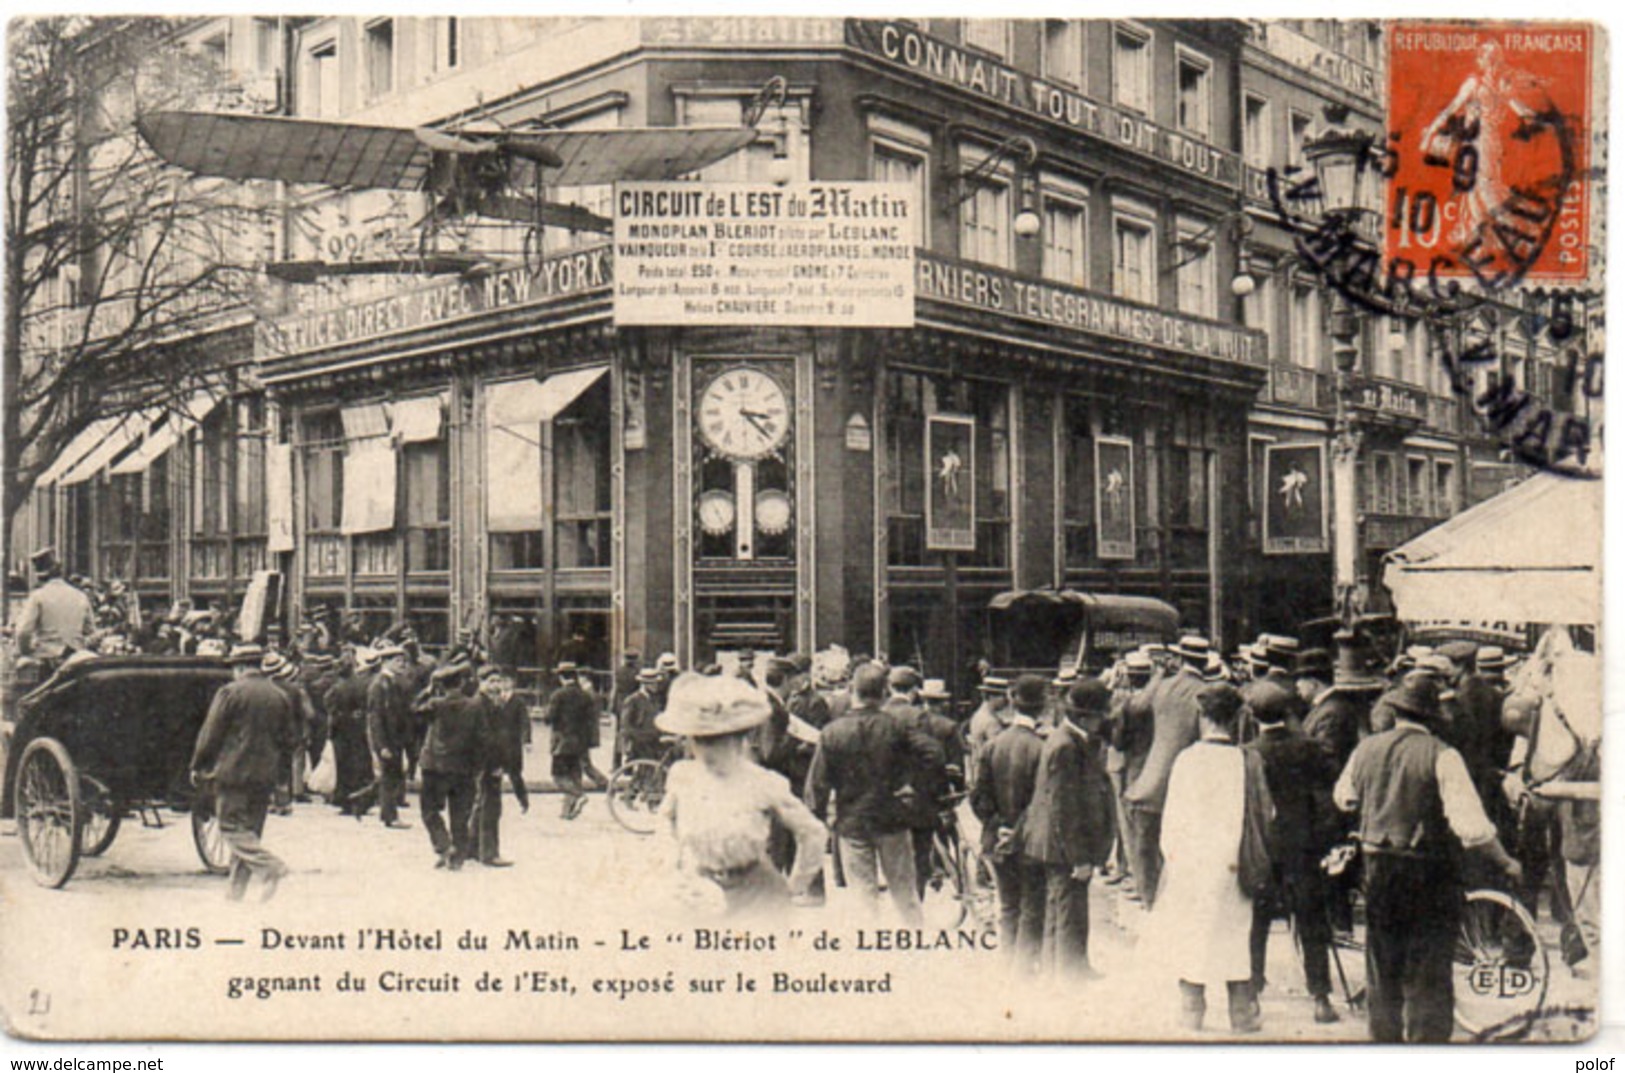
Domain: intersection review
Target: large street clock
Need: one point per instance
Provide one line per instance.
(744, 414)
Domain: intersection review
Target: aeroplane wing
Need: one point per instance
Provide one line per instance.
(431, 265)
(236, 146)
(632, 154)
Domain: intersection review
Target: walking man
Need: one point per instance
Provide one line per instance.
(1006, 775)
(454, 748)
(243, 745)
(1416, 802)
(506, 723)
(390, 731)
(863, 759)
(573, 718)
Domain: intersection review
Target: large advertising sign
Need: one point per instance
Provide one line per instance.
(836, 254)
(1295, 511)
(950, 483)
(1114, 498)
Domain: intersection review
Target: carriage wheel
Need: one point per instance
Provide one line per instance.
(212, 848)
(102, 815)
(1501, 968)
(48, 811)
(635, 792)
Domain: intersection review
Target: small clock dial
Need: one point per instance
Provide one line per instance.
(716, 511)
(744, 414)
(773, 512)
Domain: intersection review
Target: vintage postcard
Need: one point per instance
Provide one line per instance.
(792, 528)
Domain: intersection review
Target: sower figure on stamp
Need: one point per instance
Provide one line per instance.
(245, 741)
(390, 732)
(505, 720)
(1417, 808)
(454, 748)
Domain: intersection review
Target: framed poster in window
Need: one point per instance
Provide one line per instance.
(1114, 497)
(1295, 499)
(950, 483)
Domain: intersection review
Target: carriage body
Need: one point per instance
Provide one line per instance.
(102, 739)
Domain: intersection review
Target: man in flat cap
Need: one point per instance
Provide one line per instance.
(1006, 775)
(56, 618)
(507, 725)
(390, 731)
(573, 720)
(455, 746)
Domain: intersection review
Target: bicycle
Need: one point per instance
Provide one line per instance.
(956, 871)
(636, 788)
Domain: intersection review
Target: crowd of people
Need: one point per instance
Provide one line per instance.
(1219, 796)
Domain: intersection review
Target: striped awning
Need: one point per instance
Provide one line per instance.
(125, 432)
(77, 448)
(162, 435)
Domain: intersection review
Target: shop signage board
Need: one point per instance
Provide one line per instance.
(831, 255)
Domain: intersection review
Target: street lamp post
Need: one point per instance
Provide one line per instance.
(1341, 156)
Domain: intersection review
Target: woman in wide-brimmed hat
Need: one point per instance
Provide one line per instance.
(720, 806)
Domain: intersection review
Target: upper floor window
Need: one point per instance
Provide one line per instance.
(1300, 127)
(892, 162)
(984, 224)
(448, 43)
(267, 45)
(1198, 272)
(1255, 130)
(1258, 308)
(989, 35)
(1195, 82)
(378, 51)
(753, 163)
(1306, 326)
(1131, 66)
(1066, 230)
(1134, 252)
(1063, 51)
(319, 83)
(217, 51)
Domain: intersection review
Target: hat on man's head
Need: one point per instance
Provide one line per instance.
(1460, 653)
(994, 683)
(367, 659)
(1437, 664)
(1349, 674)
(1065, 677)
(701, 706)
(1088, 697)
(1282, 651)
(1214, 669)
(44, 560)
(649, 675)
(246, 653)
(1029, 694)
(1416, 695)
(272, 663)
(565, 667)
(388, 652)
(1314, 663)
(903, 678)
(1194, 648)
(1137, 663)
(935, 689)
(631, 655)
(666, 662)
(1493, 659)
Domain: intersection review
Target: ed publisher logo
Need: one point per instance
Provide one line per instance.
(1501, 981)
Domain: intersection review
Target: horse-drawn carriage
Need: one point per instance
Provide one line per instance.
(104, 740)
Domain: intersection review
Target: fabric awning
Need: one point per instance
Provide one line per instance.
(521, 403)
(279, 497)
(161, 437)
(369, 489)
(77, 448)
(364, 421)
(1529, 555)
(124, 433)
(417, 420)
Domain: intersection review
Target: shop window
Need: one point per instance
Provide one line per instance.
(581, 481)
(1193, 76)
(1131, 67)
(248, 488)
(1134, 267)
(430, 619)
(154, 513)
(1078, 482)
(1065, 233)
(425, 471)
(375, 611)
(1063, 52)
(1255, 130)
(1189, 507)
(913, 397)
(210, 486)
(323, 450)
(118, 515)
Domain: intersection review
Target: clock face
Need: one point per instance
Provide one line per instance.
(773, 512)
(744, 414)
(716, 511)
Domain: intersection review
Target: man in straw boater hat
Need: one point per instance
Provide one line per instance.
(639, 737)
(242, 746)
(721, 806)
(1341, 714)
(1416, 806)
(1175, 717)
(991, 716)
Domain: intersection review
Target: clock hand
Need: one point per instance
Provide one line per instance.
(756, 420)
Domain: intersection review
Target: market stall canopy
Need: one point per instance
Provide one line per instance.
(1531, 554)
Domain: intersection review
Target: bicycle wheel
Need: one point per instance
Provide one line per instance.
(635, 791)
(1501, 968)
(944, 903)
